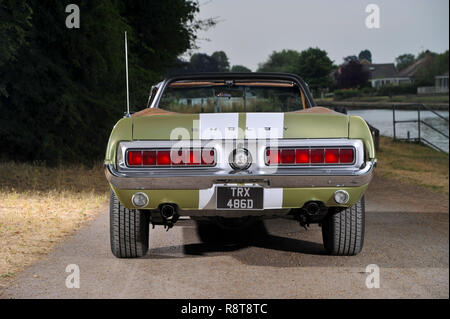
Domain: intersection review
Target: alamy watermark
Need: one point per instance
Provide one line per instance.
(373, 277)
(373, 19)
(73, 19)
(73, 279)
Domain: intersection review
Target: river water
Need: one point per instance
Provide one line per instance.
(382, 120)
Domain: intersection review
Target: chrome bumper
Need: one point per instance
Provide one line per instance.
(202, 180)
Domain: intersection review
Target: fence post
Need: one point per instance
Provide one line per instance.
(393, 119)
(418, 121)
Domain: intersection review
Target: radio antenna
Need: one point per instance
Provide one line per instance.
(126, 74)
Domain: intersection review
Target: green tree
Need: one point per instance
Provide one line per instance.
(240, 69)
(283, 61)
(222, 61)
(15, 17)
(65, 87)
(365, 54)
(437, 65)
(403, 61)
(352, 74)
(315, 67)
(202, 62)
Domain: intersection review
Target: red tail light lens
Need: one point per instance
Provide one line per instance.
(317, 155)
(149, 157)
(194, 158)
(207, 157)
(331, 155)
(302, 156)
(178, 157)
(134, 158)
(346, 155)
(287, 156)
(273, 157)
(203, 157)
(306, 156)
(163, 158)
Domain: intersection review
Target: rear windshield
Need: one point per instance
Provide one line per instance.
(231, 96)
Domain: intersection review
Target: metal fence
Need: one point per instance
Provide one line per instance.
(419, 121)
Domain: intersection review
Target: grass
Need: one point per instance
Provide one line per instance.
(40, 206)
(413, 163)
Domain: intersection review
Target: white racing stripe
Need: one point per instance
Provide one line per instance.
(258, 126)
(264, 125)
(273, 198)
(218, 126)
(205, 197)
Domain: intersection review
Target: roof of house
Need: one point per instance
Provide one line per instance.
(382, 71)
(411, 70)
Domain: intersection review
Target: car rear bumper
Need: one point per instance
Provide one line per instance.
(308, 178)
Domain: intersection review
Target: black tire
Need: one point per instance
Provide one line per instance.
(343, 232)
(129, 230)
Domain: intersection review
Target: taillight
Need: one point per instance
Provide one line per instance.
(163, 158)
(208, 157)
(302, 156)
(149, 157)
(309, 156)
(332, 156)
(287, 156)
(346, 155)
(272, 157)
(176, 158)
(194, 157)
(317, 155)
(135, 158)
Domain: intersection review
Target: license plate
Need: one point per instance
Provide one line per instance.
(239, 197)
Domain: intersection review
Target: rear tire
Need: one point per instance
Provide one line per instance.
(343, 232)
(129, 230)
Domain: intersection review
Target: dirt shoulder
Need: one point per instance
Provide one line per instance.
(404, 197)
(40, 207)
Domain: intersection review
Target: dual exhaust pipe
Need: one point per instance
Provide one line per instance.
(312, 208)
(167, 211)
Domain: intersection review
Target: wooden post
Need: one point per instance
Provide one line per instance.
(393, 119)
(418, 120)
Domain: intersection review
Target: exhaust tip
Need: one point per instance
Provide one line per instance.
(167, 211)
(312, 208)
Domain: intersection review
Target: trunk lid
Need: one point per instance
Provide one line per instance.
(240, 125)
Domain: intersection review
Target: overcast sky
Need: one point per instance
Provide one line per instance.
(249, 30)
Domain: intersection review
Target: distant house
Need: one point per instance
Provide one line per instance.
(441, 83)
(412, 70)
(387, 73)
(382, 74)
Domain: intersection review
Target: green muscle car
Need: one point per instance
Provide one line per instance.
(229, 149)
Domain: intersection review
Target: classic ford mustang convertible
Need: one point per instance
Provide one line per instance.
(230, 149)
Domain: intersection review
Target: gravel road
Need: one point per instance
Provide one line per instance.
(407, 237)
